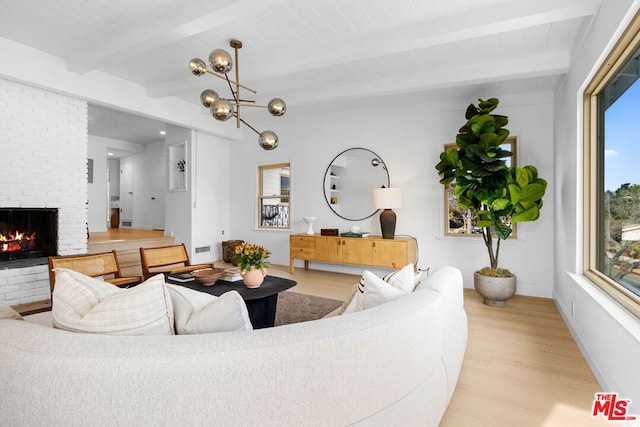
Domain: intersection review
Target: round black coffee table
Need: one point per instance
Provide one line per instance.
(261, 302)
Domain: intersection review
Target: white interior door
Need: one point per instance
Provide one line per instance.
(126, 191)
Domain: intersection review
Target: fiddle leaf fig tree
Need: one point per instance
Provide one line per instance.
(500, 195)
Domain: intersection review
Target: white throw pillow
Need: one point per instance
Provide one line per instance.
(419, 277)
(200, 313)
(403, 279)
(373, 291)
(353, 301)
(84, 304)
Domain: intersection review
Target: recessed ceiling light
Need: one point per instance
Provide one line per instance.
(162, 132)
(109, 154)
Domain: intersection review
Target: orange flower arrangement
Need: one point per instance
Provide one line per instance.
(249, 255)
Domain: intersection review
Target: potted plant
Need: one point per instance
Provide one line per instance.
(498, 194)
(252, 260)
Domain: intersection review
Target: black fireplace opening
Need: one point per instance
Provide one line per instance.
(28, 233)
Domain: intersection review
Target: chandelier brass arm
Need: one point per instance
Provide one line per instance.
(208, 71)
(224, 108)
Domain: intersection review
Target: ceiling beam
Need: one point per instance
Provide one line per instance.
(446, 77)
(500, 18)
(496, 19)
(203, 16)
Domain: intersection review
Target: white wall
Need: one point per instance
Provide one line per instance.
(607, 334)
(199, 216)
(97, 196)
(178, 204)
(212, 200)
(409, 137)
(44, 140)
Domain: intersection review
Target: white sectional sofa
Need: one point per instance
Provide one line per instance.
(394, 364)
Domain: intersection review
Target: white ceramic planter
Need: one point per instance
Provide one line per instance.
(495, 290)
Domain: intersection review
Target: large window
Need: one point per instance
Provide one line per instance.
(612, 196)
(274, 195)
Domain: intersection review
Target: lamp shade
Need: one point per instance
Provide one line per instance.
(387, 198)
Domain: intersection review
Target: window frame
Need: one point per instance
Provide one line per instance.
(261, 197)
(593, 168)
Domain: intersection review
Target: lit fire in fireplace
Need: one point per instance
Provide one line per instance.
(18, 241)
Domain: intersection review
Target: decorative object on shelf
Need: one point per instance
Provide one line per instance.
(253, 277)
(500, 195)
(358, 234)
(252, 259)
(387, 199)
(224, 108)
(329, 232)
(209, 276)
(355, 228)
(310, 220)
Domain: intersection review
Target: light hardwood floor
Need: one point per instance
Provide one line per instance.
(521, 368)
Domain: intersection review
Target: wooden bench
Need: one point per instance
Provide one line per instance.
(104, 264)
(167, 260)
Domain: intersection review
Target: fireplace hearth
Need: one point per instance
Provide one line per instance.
(27, 236)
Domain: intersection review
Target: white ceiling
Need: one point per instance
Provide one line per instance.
(308, 52)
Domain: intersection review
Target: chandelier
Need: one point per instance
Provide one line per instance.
(224, 108)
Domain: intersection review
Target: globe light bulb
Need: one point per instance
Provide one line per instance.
(277, 107)
(197, 67)
(268, 140)
(208, 96)
(221, 109)
(220, 61)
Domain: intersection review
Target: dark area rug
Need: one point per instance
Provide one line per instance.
(294, 308)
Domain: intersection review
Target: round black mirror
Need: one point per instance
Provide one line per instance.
(350, 180)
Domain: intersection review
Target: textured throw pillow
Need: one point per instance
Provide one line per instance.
(84, 304)
(350, 299)
(403, 279)
(200, 313)
(373, 290)
(419, 277)
(7, 312)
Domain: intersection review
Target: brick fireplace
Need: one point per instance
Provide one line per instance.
(44, 144)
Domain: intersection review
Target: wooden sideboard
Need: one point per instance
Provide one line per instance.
(371, 251)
